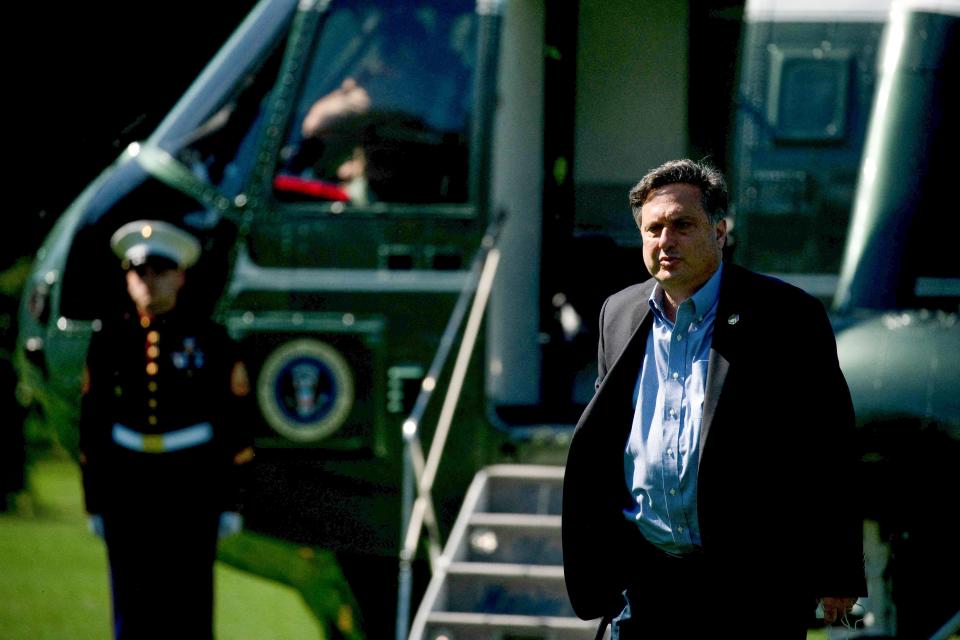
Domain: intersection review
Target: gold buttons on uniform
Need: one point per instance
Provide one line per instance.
(153, 352)
(144, 322)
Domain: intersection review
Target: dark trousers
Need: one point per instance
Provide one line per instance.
(161, 574)
(693, 598)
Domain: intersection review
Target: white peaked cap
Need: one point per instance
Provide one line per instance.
(138, 240)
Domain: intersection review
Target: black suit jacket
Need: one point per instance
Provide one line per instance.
(776, 486)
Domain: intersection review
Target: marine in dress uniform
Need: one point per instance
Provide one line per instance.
(163, 441)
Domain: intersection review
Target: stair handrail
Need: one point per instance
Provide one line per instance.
(948, 629)
(419, 473)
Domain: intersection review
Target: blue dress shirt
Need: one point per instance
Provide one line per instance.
(663, 451)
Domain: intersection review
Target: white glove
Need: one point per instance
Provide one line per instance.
(231, 523)
(95, 524)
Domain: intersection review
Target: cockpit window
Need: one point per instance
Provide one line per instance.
(383, 112)
(221, 150)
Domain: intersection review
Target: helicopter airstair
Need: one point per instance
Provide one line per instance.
(500, 576)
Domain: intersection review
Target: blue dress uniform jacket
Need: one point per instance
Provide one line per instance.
(161, 425)
(776, 485)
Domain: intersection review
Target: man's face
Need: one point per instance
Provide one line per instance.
(681, 246)
(154, 290)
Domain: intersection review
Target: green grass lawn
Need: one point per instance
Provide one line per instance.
(54, 585)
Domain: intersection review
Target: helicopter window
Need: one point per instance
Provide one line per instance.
(383, 111)
(808, 95)
(221, 150)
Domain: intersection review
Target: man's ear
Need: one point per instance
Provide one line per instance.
(721, 233)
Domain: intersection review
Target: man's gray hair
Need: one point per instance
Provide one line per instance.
(712, 185)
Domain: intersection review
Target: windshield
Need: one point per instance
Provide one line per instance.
(221, 151)
(384, 108)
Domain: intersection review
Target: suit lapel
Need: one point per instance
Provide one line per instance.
(612, 406)
(716, 374)
(640, 327)
(625, 369)
(725, 330)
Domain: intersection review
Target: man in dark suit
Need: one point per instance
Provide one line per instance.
(709, 481)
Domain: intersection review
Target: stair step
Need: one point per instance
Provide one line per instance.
(501, 576)
(529, 520)
(506, 570)
(486, 626)
(523, 489)
(529, 590)
(513, 538)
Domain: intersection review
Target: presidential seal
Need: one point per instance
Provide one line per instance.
(305, 390)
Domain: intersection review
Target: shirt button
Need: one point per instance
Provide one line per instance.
(670, 451)
(675, 376)
(152, 403)
(152, 419)
(152, 368)
(673, 492)
(680, 337)
(152, 386)
(153, 352)
(680, 528)
(673, 414)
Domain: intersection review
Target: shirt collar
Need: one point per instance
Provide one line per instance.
(703, 300)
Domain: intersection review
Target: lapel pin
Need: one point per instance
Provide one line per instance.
(734, 319)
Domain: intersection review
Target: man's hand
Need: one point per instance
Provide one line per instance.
(349, 99)
(834, 608)
(95, 524)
